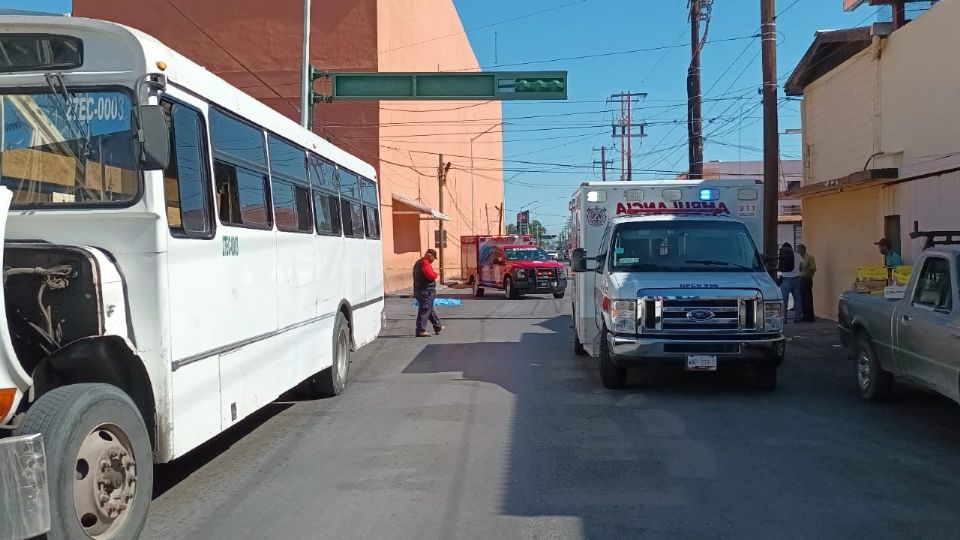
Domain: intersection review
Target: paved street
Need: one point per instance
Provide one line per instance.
(496, 430)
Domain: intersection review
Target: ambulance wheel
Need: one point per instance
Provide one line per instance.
(558, 295)
(509, 289)
(578, 348)
(612, 376)
(477, 289)
(99, 461)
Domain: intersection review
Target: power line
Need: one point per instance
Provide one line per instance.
(231, 55)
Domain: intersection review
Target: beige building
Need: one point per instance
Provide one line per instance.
(256, 46)
(881, 142)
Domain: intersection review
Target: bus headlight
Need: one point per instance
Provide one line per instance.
(623, 314)
(773, 316)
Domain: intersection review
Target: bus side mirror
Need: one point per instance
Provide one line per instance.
(154, 137)
(578, 260)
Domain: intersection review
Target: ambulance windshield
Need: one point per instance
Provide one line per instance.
(684, 246)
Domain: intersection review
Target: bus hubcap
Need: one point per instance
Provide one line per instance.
(105, 482)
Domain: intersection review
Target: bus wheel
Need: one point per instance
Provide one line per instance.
(333, 380)
(99, 461)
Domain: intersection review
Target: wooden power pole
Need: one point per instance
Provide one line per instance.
(694, 99)
(771, 140)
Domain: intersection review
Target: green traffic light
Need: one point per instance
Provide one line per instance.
(551, 84)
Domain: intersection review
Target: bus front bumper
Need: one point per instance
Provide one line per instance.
(24, 499)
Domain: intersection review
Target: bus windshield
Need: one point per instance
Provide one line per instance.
(684, 246)
(526, 254)
(59, 148)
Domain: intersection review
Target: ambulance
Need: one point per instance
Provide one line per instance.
(668, 273)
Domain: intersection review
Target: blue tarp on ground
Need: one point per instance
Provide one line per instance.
(442, 302)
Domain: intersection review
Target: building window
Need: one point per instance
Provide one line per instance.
(240, 171)
(891, 231)
(186, 178)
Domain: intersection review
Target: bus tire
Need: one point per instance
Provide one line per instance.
(333, 380)
(99, 461)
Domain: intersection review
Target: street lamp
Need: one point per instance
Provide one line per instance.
(473, 207)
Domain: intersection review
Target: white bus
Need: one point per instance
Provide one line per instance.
(177, 255)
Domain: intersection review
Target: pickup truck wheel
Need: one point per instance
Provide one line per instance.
(874, 382)
(612, 376)
(99, 461)
(509, 289)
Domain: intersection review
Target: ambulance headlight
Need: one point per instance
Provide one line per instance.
(773, 316)
(521, 273)
(623, 314)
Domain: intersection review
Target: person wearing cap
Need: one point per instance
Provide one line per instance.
(425, 290)
(891, 259)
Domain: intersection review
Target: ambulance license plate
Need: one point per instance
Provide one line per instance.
(701, 362)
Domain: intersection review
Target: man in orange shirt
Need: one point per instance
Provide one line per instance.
(425, 290)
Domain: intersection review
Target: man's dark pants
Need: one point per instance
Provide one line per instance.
(426, 313)
(806, 291)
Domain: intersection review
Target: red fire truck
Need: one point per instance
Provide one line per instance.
(512, 264)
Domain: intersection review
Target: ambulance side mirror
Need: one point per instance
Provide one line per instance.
(578, 260)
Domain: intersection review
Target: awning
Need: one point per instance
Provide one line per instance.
(418, 208)
(857, 180)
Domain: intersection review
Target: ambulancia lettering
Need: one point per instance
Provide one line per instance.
(666, 208)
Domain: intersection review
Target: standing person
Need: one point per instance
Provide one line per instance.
(425, 290)
(808, 267)
(891, 259)
(790, 284)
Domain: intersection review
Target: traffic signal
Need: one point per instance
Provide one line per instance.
(545, 84)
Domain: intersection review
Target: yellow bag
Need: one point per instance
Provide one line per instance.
(871, 273)
(901, 274)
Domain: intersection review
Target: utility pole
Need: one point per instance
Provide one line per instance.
(441, 183)
(771, 141)
(603, 162)
(306, 108)
(624, 129)
(499, 219)
(694, 99)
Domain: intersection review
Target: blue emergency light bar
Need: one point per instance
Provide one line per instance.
(709, 194)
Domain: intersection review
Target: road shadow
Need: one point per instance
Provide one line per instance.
(168, 475)
(702, 455)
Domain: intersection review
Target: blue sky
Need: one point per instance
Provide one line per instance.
(559, 148)
(731, 76)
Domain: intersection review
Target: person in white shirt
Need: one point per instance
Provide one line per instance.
(790, 280)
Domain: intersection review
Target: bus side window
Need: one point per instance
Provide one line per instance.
(371, 203)
(350, 205)
(326, 200)
(291, 194)
(186, 178)
(240, 170)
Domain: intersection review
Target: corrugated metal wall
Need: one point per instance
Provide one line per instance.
(931, 201)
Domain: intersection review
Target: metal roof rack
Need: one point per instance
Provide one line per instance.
(933, 238)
